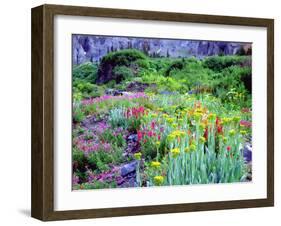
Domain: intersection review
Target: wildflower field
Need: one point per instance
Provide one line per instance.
(160, 121)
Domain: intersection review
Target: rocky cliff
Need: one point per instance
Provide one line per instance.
(92, 48)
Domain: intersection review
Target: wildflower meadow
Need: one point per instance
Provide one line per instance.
(143, 118)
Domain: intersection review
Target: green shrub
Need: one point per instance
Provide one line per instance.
(83, 89)
(78, 157)
(123, 72)
(101, 160)
(116, 140)
(123, 57)
(126, 60)
(87, 72)
(218, 63)
(117, 118)
(97, 185)
(78, 114)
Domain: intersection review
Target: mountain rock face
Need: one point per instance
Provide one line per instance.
(87, 48)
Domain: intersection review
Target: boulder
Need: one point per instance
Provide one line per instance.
(128, 168)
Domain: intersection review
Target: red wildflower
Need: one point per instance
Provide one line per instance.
(245, 110)
(136, 112)
(218, 125)
(159, 137)
(150, 133)
(206, 133)
(245, 123)
(228, 148)
(152, 125)
(139, 135)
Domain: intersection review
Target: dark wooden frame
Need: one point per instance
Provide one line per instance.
(42, 203)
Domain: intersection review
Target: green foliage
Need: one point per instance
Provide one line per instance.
(101, 160)
(78, 157)
(123, 72)
(191, 75)
(96, 184)
(117, 118)
(83, 89)
(78, 114)
(123, 57)
(218, 63)
(87, 72)
(116, 140)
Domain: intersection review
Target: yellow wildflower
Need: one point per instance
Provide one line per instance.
(174, 125)
(155, 164)
(137, 156)
(153, 115)
(170, 120)
(192, 147)
(236, 119)
(157, 143)
(158, 180)
(171, 137)
(165, 115)
(232, 132)
(186, 150)
(243, 132)
(202, 140)
(197, 116)
(175, 152)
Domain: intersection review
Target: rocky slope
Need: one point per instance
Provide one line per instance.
(93, 48)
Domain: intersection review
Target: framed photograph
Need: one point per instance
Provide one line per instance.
(141, 112)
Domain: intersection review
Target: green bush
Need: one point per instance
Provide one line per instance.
(83, 89)
(78, 114)
(78, 157)
(87, 72)
(218, 63)
(123, 57)
(123, 72)
(97, 185)
(120, 65)
(178, 65)
(101, 160)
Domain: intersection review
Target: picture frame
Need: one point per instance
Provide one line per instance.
(43, 107)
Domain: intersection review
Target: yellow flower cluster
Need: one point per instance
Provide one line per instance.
(236, 119)
(170, 120)
(153, 115)
(175, 134)
(192, 147)
(243, 132)
(137, 156)
(186, 150)
(175, 152)
(158, 180)
(155, 164)
(232, 132)
(197, 116)
(202, 140)
(226, 121)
